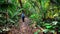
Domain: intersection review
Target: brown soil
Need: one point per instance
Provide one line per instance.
(23, 28)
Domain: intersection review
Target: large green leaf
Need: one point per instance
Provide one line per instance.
(37, 32)
(17, 12)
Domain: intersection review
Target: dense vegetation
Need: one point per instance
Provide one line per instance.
(43, 13)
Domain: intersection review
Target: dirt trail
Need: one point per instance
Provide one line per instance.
(23, 28)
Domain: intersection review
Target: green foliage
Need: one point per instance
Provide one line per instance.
(11, 10)
(48, 26)
(1, 1)
(34, 16)
(45, 4)
(37, 32)
(36, 10)
(26, 5)
(47, 10)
